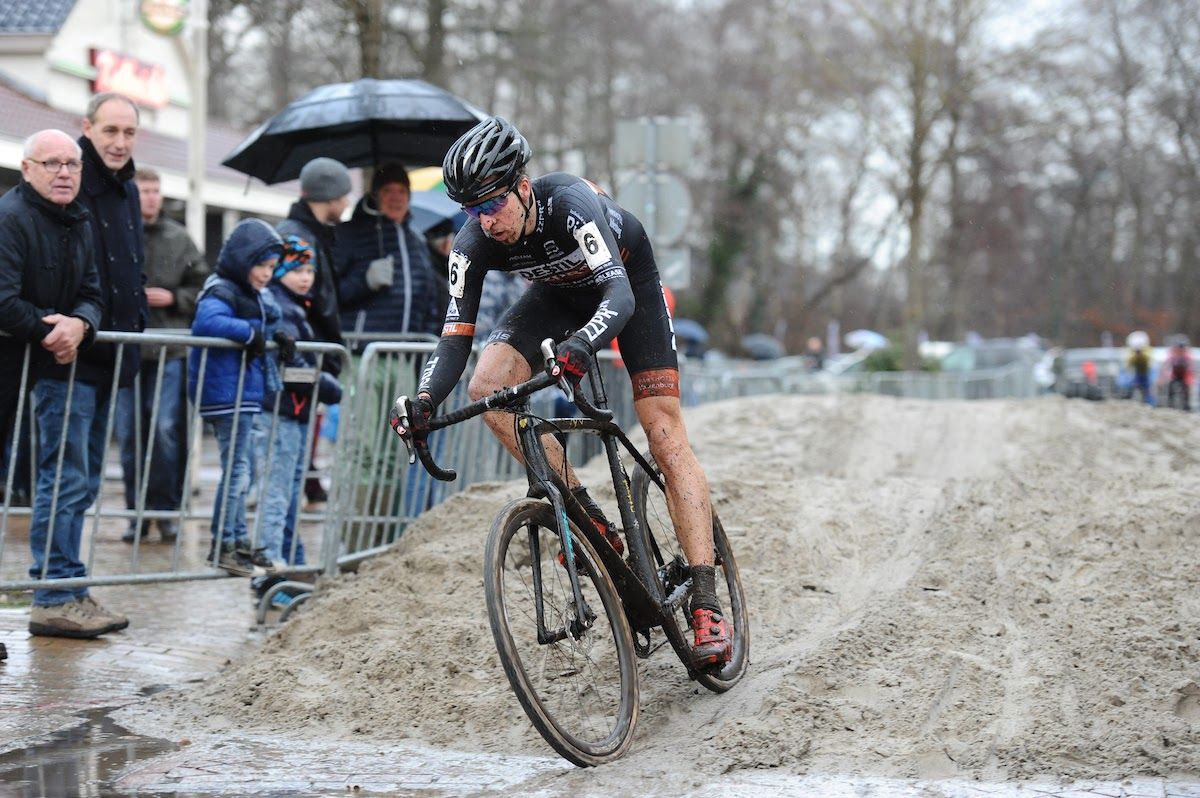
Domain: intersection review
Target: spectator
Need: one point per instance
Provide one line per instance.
(291, 286)
(384, 278)
(175, 273)
(233, 305)
(110, 195)
(324, 196)
(814, 354)
(50, 302)
(1177, 375)
(1140, 366)
(440, 240)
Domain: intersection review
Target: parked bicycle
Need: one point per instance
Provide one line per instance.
(569, 615)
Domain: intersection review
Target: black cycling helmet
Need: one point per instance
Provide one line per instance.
(490, 155)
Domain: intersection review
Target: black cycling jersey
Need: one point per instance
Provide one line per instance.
(592, 269)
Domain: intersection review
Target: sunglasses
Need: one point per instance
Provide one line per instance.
(488, 206)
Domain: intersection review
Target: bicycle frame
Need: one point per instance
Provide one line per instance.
(643, 609)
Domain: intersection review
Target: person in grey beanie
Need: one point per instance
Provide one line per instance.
(324, 196)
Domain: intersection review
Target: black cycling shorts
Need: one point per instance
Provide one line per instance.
(647, 342)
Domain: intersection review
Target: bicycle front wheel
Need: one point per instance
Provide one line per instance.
(571, 665)
(670, 566)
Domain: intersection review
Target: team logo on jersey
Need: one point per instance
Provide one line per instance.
(595, 251)
(599, 322)
(614, 222)
(457, 268)
(574, 222)
(552, 250)
(452, 309)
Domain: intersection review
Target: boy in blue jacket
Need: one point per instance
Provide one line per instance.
(234, 305)
(291, 288)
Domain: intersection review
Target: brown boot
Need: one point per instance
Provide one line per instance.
(119, 620)
(73, 619)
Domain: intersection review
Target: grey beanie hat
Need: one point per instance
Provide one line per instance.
(324, 179)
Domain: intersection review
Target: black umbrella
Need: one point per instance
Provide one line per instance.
(363, 123)
(762, 347)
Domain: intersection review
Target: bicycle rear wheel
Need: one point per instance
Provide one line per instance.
(650, 508)
(579, 688)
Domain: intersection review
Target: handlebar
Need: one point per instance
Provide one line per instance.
(418, 446)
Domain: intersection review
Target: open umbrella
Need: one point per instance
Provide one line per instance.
(760, 346)
(866, 339)
(364, 123)
(431, 208)
(690, 330)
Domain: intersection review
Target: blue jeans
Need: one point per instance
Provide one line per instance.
(163, 485)
(229, 508)
(62, 498)
(284, 473)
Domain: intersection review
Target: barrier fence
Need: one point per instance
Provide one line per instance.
(373, 492)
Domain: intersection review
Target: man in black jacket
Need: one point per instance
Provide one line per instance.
(175, 272)
(50, 306)
(324, 197)
(111, 197)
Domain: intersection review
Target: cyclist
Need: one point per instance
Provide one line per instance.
(593, 279)
(1177, 373)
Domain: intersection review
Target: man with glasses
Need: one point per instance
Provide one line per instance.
(594, 279)
(51, 304)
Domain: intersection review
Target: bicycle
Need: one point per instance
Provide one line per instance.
(568, 629)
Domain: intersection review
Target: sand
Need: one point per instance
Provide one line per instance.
(997, 590)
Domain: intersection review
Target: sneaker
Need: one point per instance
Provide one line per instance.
(73, 619)
(713, 647)
(168, 530)
(259, 559)
(315, 492)
(118, 620)
(237, 563)
(132, 533)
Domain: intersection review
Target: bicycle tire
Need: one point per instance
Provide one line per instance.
(650, 509)
(580, 694)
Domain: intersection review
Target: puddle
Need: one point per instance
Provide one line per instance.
(81, 761)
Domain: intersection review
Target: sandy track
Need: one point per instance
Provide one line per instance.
(989, 590)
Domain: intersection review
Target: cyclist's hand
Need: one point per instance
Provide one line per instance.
(573, 355)
(420, 411)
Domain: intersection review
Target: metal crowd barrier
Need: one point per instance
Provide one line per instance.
(374, 493)
(108, 559)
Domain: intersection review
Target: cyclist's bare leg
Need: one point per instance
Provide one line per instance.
(687, 487)
(500, 366)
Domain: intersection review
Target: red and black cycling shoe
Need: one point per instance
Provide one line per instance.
(610, 534)
(714, 639)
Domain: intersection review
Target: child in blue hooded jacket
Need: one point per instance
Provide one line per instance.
(228, 385)
(303, 386)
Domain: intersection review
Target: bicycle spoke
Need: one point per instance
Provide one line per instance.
(577, 681)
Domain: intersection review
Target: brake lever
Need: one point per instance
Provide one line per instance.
(555, 369)
(400, 418)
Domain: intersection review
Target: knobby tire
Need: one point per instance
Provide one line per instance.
(650, 508)
(580, 694)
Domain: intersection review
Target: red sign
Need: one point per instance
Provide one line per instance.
(145, 84)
